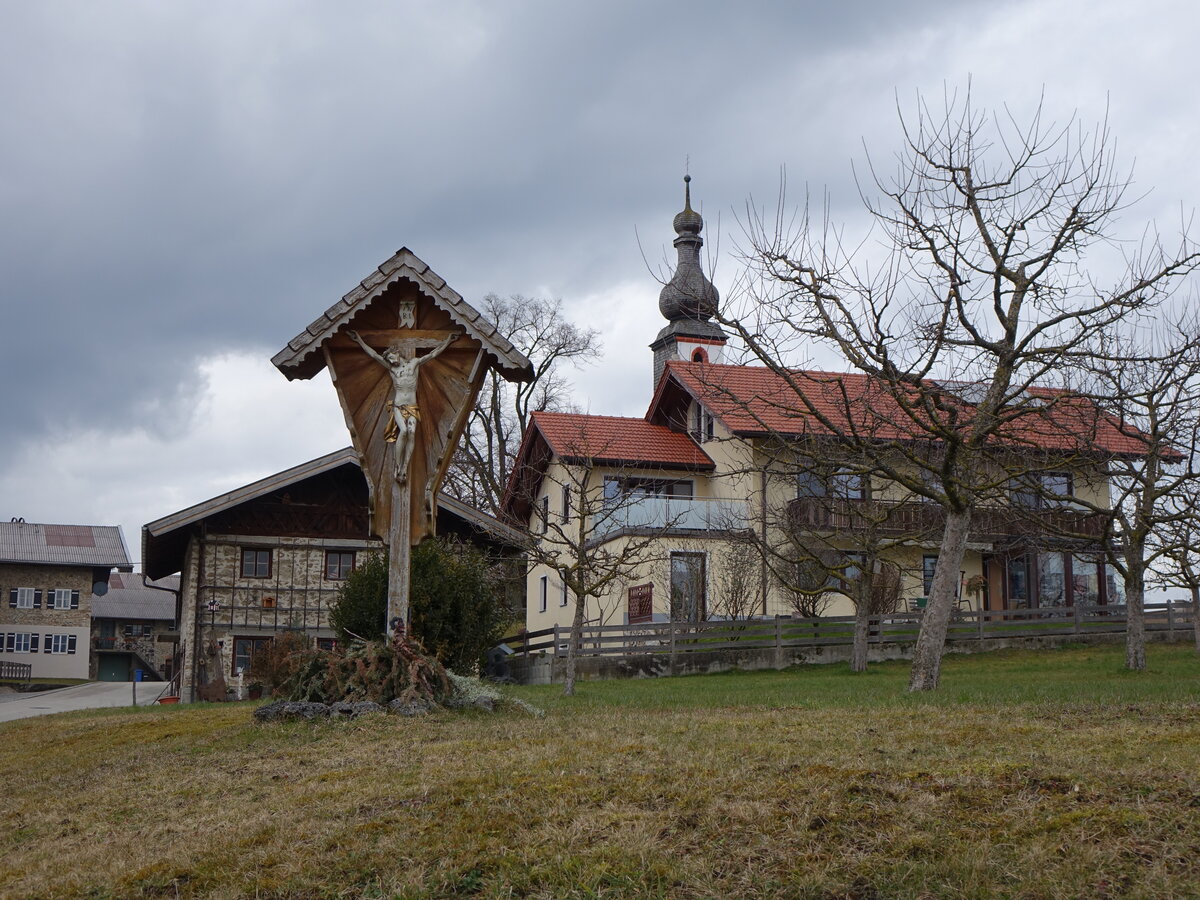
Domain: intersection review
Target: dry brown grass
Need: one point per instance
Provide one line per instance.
(1065, 799)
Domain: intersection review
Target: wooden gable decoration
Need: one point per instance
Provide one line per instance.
(403, 300)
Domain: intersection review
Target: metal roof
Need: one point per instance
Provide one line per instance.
(63, 545)
(301, 358)
(129, 598)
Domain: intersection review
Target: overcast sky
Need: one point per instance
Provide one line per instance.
(184, 186)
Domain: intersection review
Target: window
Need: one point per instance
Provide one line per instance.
(56, 643)
(543, 514)
(1051, 580)
(687, 587)
(562, 600)
(543, 589)
(137, 630)
(842, 482)
(1085, 581)
(244, 649)
(327, 644)
(1017, 571)
(616, 488)
(1042, 490)
(810, 484)
(928, 567)
(848, 485)
(23, 598)
(21, 642)
(702, 423)
(65, 598)
(566, 503)
(256, 563)
(338, 565)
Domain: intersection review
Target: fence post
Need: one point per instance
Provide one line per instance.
(979, 621)
(1078, 626)
(672, 646)
(778, 643)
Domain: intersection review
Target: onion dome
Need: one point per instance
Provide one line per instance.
(689, 294)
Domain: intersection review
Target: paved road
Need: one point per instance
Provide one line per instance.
(93, 695)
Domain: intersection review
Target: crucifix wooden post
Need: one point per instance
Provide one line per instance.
(407, 356)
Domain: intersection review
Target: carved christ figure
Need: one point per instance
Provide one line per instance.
(404, 415)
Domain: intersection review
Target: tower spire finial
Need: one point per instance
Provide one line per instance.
(687, 191)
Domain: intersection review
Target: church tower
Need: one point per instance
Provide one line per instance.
(689, 300)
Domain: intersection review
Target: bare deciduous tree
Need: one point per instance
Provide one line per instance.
(981, 294)
(599, 538)
(1149, 390)
(540, 330)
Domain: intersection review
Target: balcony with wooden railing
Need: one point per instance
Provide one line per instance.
(892, 518)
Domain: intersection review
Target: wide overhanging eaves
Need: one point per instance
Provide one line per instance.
(302, 357)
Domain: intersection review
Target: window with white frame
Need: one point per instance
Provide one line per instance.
(562, 599)
(20, 642)
(702, 423)
(57, 643)
(543, 590)
(62, 598)
(25, 598)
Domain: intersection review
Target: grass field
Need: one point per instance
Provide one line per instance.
(1029, 775)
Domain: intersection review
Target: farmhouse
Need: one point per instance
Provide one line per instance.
(50, 576)
(750, 511)
(270, 557)
(134, 629)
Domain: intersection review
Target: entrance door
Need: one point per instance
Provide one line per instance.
(687, 587)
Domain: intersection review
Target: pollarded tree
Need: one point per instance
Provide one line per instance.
(981, 295)
(540, 330)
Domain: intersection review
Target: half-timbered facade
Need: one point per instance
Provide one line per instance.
(270, 557)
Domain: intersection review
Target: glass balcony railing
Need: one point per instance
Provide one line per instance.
(671, 513)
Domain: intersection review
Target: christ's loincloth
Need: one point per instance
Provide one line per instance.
(409, 413)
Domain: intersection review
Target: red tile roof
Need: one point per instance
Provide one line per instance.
(619, 439)
(756, 400)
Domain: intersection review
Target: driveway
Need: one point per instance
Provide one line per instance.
(93, 695)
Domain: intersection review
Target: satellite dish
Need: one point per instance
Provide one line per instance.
(100, 588)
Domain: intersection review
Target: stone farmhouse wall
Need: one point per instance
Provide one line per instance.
(71, 626)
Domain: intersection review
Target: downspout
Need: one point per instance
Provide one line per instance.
(178, 613)
(762, 575)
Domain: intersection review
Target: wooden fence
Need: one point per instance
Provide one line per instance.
(675, 638)
(14, 671)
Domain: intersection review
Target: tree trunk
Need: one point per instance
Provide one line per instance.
(573, 646)
(1135, 619)
(1196, 615)
(927, 655)
(862, 623)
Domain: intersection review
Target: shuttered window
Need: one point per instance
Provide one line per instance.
(63, 598)
(25, 598)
